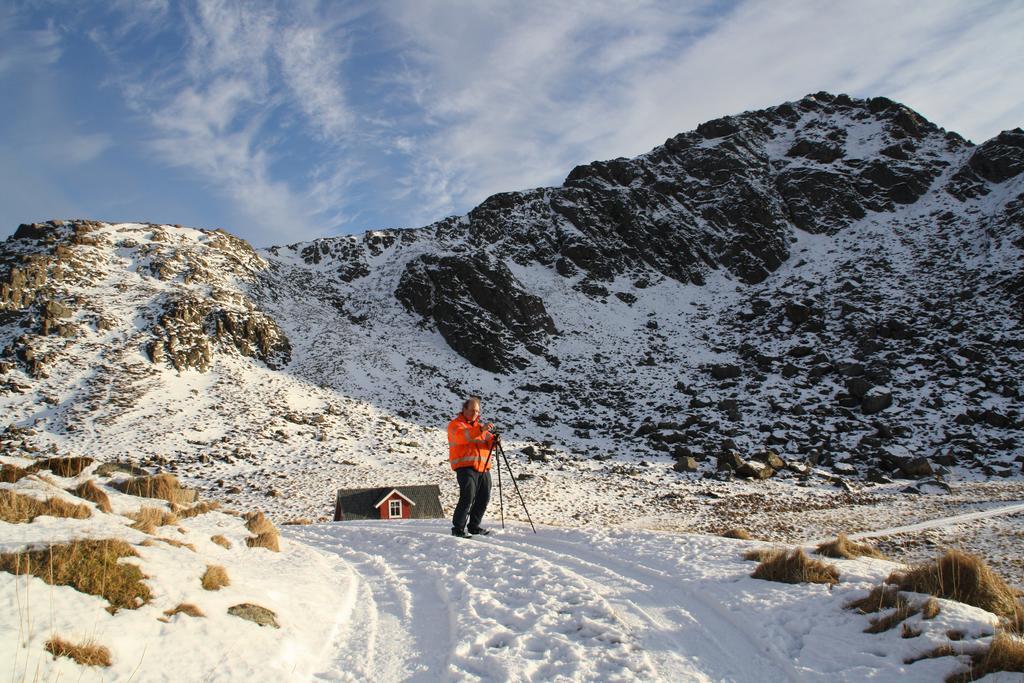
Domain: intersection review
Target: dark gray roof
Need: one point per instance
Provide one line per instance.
(352, 504)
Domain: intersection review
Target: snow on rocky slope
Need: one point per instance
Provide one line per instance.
(825, 293)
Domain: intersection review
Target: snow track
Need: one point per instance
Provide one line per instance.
(1015, 508)
(586, 604)
(652, 601)
(997, 510)
(380, 606)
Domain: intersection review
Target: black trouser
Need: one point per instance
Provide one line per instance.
(474, 494)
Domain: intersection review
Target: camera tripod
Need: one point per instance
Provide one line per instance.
(497, 447)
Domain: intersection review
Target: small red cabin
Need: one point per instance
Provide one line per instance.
(395, 506)
(389, 502)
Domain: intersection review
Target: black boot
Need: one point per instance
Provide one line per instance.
(480, 531)
(461, 533)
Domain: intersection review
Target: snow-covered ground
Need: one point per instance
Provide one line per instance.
(404, 600)
(598, 603)
(307, 590)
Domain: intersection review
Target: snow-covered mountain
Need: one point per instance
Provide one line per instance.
(827, 289)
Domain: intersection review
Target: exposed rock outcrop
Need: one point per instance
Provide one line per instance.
(478, 306)
(189, 328)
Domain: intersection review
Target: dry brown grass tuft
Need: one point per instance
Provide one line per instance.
(215, 577)
(934, 653)
(185, 608)
(795, 567)
(962, 577)
(164, 486)
(1016, 623)
(16, 508)
(888, 597)
(62, 467)
(10, 474)
(91, 567)
(1006, 653)
(177, 544)
(147, 519)
(843, 547)
(908, 631)
(90, 491)
(266, 533)
(898, 615)
(301, 521)
(759, 554)
(268, 541)
(741, 534)
(221, 541)
(880, 597)
(200, 508)
(955, 634)
(86, 654)
(257, 523)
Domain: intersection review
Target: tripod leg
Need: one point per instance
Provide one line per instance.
(501, 452)
(501, 498)
(490, 452)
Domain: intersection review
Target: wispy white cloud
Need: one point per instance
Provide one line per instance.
(312, 65)
(39, 117)
(38, 132)
(138, 19)
(80, 149)
(229, 37)
(24, 50)
(519, 93)
(919, 53)
(244, 63)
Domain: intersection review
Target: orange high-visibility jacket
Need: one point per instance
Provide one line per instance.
(468, 444)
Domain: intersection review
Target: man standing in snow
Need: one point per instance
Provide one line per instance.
(469, 444)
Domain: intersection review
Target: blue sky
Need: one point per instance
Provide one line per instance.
(286, 121)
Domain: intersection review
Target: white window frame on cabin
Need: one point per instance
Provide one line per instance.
(391, 508)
